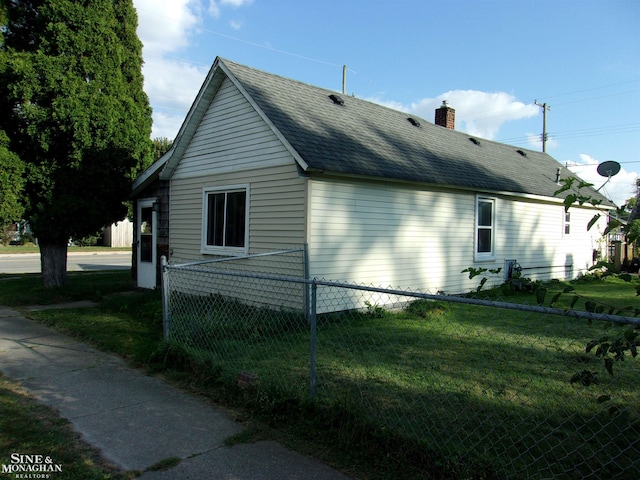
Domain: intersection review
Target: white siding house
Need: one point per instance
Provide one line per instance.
(402, 235)
(264, 162)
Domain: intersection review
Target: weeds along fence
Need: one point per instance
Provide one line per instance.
(484, 387)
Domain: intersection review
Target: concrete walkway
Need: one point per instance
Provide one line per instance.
(136, 420)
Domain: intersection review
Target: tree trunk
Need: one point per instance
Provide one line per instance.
(53, 262)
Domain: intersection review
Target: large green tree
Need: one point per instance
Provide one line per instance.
(11, 187)
(75, 113)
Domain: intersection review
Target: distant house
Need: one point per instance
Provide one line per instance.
(263, 162)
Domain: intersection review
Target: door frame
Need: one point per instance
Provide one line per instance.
(147, 271)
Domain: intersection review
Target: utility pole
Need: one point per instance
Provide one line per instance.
(545, 107)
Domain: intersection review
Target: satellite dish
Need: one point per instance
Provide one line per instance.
(608, 168)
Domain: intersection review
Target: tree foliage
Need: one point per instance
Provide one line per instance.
(75, 113)
(609, 348)
(161, 146)
(12, 181)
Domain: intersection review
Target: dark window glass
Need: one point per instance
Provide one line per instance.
(484, 214)
(146, 234)
(236, 204)
(215, 222)
(146, 248)
(226, 219)
(484, 240)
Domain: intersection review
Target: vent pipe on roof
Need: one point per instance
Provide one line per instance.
(344, 79)
(446, 116)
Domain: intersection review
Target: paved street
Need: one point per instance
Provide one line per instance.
(76, 261)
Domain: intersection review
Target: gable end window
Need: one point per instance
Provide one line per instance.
(225, 218)
(485, 229)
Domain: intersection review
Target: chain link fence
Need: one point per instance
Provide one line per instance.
(483, 384)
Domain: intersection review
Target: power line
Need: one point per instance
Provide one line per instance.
(635, 80)
(601, 96)
(595, 131)
(253, 44)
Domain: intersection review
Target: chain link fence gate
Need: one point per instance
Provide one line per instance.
(481, 383)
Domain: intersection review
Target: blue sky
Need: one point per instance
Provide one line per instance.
(491, 59)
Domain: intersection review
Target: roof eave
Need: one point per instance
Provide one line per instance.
(427, 185)
(192, 120)
(151, 174)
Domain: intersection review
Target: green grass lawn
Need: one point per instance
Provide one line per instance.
(27, 289)
(446, 391)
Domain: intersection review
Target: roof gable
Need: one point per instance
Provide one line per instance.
(212, 83)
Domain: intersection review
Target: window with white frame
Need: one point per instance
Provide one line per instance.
(567, 223)
(485, 229)
(225, 215)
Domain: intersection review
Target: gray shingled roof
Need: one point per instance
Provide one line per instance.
(361, 138)
(364, 138)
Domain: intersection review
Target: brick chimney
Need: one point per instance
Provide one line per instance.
(446, 116)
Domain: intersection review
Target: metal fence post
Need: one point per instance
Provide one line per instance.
(165, 296)
(305, 266)
(312, 366)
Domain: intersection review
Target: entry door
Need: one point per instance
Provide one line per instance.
(147, 220)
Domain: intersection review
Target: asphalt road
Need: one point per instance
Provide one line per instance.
(30, 263)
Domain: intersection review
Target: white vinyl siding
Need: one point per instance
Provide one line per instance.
(233, 145)
(390, 235)
(231, 137)
(276, 210)
(533, 233)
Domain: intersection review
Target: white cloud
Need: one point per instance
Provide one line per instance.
(166, 26)
(173, 83)
(215, 5)
(388, 103)
(214, 9)
(477, 113)
(166, 125)
(620, 188)
(236, 3)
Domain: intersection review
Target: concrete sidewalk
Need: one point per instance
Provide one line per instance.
(137, 420)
